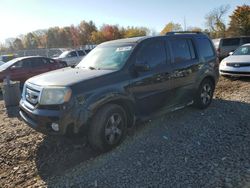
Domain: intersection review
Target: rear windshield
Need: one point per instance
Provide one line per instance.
(231, 42)
(245, 40)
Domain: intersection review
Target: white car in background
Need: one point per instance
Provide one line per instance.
(238, 63)
(71, 57)
(1, 63)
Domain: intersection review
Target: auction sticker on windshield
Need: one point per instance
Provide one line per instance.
(125, 48)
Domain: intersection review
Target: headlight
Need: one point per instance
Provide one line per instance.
(223, 64)
(55, 95)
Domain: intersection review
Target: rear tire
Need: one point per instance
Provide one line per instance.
(108, 128)
(204, 94)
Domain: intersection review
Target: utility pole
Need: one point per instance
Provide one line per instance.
(185, 26)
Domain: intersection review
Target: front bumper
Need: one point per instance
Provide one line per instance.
(41, 119)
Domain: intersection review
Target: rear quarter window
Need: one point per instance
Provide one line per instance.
(205, 48)
(231, 42)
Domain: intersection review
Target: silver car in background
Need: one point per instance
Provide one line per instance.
(225, 45)
(71, 57)
(238, 63)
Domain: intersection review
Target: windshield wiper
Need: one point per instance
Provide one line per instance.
(94, 68)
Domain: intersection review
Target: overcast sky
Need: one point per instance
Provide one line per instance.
(22, 16)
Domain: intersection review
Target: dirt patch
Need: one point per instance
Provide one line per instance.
(29, 158)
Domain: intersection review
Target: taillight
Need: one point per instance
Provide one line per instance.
(218, 51)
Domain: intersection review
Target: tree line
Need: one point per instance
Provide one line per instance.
(88, 33)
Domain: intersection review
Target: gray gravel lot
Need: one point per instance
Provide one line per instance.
(186, 148)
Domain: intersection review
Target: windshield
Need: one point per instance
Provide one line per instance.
(107, 57)
(243, 50)
(64, 54)
(8, 64)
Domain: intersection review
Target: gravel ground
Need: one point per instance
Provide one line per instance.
(186, 148)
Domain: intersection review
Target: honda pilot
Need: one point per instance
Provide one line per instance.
(120, 82)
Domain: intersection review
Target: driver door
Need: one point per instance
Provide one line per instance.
(20, 71)
(151, 88)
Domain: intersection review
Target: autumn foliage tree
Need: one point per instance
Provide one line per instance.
(240, 21)
(171, 27)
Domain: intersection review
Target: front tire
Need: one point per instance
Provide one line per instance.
(108, 127)
(204, 94)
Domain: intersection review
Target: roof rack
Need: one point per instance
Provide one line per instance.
(183, 32)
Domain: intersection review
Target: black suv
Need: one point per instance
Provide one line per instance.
(120, 82)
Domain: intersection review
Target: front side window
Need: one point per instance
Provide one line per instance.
(110, 57)
(181, 50)
(22, 64)
(152, 53)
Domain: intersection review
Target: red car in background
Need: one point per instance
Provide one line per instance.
(21, 69)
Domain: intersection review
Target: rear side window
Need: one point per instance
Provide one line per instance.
(152, 53)
(231, 42)
(245, 40)
(37, 62)
(205, 48)
(182, 50)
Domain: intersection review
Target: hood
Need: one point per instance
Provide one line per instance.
(66, 76)
(237, 59)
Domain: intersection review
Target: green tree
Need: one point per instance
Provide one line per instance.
(134, 32)
(85, 31)
(240, 21)
(30, 41)
(18, 44)
(171, 27)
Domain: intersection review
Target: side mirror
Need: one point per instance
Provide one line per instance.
(142, 67)
(231, 53)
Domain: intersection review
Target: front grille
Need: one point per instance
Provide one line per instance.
(236, 72)
(32, 94)
(238, 64)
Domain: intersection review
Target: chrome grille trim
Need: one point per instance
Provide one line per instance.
(31, 93)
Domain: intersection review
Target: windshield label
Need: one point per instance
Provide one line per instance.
(125, 48)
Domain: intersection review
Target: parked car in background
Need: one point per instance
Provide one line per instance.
(72, 57)
(7, 57)
(119, 82)
(20, 69)
(224, 46)
(238, 63)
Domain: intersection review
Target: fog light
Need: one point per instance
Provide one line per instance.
(55, 126)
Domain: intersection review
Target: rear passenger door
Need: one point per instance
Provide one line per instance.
(151, 89)
(185, 65)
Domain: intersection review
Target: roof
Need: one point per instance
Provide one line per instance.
(139, 39)
(127, 40)
(26, 57)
